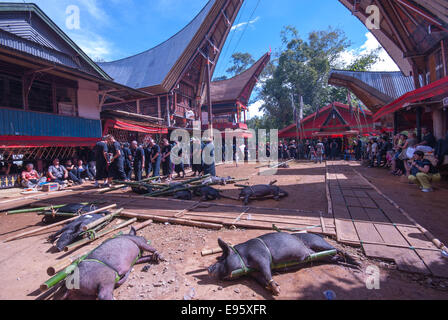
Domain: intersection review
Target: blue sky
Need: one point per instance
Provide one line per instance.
(113, 29)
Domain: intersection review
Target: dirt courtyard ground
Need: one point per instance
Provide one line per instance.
(23, 263)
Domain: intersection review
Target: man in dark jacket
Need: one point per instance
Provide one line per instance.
(139, 160)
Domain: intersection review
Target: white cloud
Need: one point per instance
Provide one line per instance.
(254, 109)
(93, 45)
(384, 64)
(239, 26)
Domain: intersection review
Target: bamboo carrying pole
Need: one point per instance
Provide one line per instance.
(56, 224)
(59, 266)
(41, 209)
(100, 221)
(184, 222)
(98, 235)
(311, 258)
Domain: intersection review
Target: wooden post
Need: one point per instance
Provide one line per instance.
(209, 98)
(419, 124)
(396, 124)
(159, 108)
(444, 58)
(138, 107)
(168, 116)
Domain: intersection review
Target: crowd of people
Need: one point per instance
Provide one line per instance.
(405, 155)
(316, 150)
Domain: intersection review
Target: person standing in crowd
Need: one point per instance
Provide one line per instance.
(30, 177)
(320, 148)
(116, 164)
(101, 161)
(139, 160)
(166, 160)
(57, 173)
(148, 165)
(280, 151)
(155, 158)
(334, 149)
(196, 157)
(209, 152)
(358, 149)
(180, 167)
(423, 173)
(127, 160)
(373, 153)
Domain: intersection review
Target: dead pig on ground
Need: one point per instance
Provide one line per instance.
(207, 193)
(72, 232)
(110, 265)
(259, 256)
(261, 191)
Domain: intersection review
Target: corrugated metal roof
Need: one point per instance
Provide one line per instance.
(30, 47)
(392, 84)
(150, 68)
(28, 22)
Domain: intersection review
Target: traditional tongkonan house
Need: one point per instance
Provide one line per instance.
(49, 92)
(231, 98)
(178, 71)
(334, 121)
(415, 34)
(376, 90)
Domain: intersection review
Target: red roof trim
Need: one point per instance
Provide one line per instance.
(437, 88)
(121, 125)
(44, 142)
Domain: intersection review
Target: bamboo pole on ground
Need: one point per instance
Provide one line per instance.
(100, 221)
(56, 224)
(184, 222)
(98, 235)
(59, 266)
(41, 209)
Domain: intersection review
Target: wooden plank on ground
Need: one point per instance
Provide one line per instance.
(367, 232)
(406, 259)
(416, 238)
(352, 202)
(376, 215)
(391, 235)
(341, 212)
(358, 213)
(367, 203)
(436, 263)
(392, 213)
(346, 232)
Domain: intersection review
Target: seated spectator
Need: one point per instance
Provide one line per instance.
(82, 172)
(30, 177)
(73, 173)
(429, 141)
(423, 173)
(57, 173)
(5, 169)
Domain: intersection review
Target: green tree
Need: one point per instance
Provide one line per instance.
(240, 63)
(302, 69)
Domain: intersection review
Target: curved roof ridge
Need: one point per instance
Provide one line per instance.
(167, 40)
(252, 69)
(151, 67)
(235, 87)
